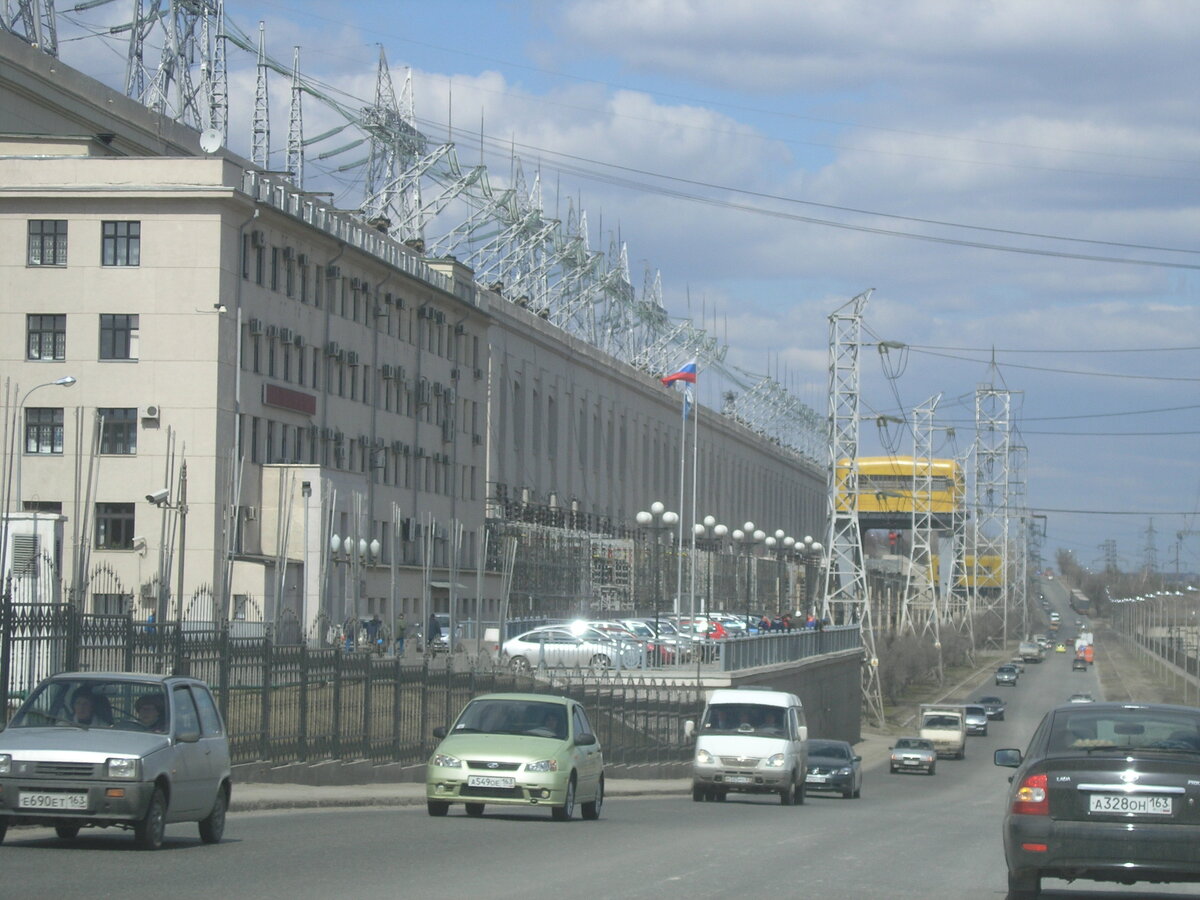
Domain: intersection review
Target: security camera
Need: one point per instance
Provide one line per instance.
(159, 497)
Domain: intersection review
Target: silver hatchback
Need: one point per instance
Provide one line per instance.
(94, 750)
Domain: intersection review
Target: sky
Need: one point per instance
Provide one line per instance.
(1016, 181)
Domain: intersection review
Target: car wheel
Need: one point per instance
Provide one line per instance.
(474, 809)
(592, 810)
(847, 794)
(437, 807)
(801, 790)
(719, 796)
(519, 664)
(598, 663)
(563, 813)
(148, 833)
(858, 792)
(3, 831)
(985, 732)
(1000, 718)
(931, 770)
(699, 794)
(788, 795)
(1024, 887)
(893, 769)
(212, 826)
(67, 832)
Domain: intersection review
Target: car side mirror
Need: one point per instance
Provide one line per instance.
(585, 740)
(439, 732)
(1007, 757)
(858, 759)
(191, 736)
(689, 729)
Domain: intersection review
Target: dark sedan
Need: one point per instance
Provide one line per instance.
(834, 766)
(994, 707)
(1105, 792)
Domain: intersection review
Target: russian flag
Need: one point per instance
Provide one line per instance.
(686, 372)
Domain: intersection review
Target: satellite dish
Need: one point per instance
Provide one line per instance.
(210, 140)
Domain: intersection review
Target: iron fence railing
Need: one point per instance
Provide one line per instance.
(294, 703)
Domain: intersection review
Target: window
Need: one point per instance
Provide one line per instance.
(111, 604)
(118, 336)
(210, 721)
(114, 526)
(118, 435)
(47, 242)
(121, 244)
(44, 430)
(46, 337)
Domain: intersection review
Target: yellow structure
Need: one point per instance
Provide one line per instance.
(886, 490)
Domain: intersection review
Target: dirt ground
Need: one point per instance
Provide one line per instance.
(1129, 675)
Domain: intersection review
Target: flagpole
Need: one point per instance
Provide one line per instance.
(682, 473)
(695, 517)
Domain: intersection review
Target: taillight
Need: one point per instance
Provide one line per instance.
(1031, 798)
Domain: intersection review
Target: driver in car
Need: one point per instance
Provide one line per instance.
(150, 713)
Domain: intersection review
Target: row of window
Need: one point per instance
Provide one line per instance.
(46, 336)
(118, 430)
(120, 243)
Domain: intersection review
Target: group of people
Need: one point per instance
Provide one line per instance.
(91, 710)
(784, 622)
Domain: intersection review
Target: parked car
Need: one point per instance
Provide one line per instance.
(1105, 792)
(834, 766)
(913, 754)
(675, 644)
(1007, 674)
(531, 750)
(976, 718)
(103, 750)
(558, 645)
(993, 706)
(648, 647)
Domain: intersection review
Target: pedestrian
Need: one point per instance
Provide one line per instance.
(350, 629)
(434, 632)
(372, 628)
(401, 628)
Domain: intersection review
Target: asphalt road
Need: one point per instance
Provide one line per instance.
(909, 836)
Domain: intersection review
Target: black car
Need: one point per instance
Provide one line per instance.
(833, 766)
(1105, 792)
(994, 707)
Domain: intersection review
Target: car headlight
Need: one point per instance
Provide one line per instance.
(542, 765)
(446, 761)
(5, 764)
(704, 758)
(121, 767)
(776, 761)
(844, 771)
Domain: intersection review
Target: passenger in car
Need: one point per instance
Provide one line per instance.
(90, 710)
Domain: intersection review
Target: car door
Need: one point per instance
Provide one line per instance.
(589, 761)
(213, 747)
(188, 771)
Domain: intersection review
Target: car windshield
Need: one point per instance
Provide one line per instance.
(913, 744)
(505, 716)
(744, 718)
(828, 749)
(96, 703)
(641, 629)
(1125, 729)
(990, 701)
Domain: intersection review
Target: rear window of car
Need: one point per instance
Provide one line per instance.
(1125, 729)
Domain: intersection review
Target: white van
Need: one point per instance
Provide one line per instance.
(751, 740)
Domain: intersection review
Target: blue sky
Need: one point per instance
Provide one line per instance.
(933, 131)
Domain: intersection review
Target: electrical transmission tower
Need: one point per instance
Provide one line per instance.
(1150, 554)
(990, 570)
(920, 611)
(846, 597)
(1020, 525)
(33, 21)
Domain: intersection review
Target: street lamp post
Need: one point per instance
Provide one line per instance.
(745, 538)
(713, 534)
(656, 522)
(21, 432)
(162, 500)
(780, 544)
(812, 553)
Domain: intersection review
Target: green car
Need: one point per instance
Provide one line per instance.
(517, 750)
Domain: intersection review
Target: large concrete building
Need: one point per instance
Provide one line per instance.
(277, 373)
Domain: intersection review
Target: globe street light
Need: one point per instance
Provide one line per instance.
(812, 554)
(713, 534)
(746, 537)
(656, 522)
(780, 544)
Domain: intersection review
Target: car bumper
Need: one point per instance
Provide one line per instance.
(815, 781)
(753, 781)
(108, 801)
(977, 729)
(912, 764)
(1102, 851)
(529, 789)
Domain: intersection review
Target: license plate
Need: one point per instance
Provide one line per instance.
(38, 800)
(738, 779)
(912, 762)
(1139, 804)
(491, 781)
(819, 779)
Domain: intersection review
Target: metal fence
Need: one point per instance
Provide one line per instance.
(786, 646)
(291, 703)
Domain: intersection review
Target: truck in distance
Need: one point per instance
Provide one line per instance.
(946, 727)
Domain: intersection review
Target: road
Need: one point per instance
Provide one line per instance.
(909, 836)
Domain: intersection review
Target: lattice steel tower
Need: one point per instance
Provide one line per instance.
(993, 409)
(846, 598)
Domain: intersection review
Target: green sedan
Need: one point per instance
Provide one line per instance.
(517, 750)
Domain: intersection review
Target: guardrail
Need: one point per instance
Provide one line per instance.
(786, 646)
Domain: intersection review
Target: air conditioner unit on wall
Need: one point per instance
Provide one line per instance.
(302, 259)
(258, 237)
(286, 335)
(250, 513)
(256, 326)
(332, 349)
(151, 413)
(387, 371)
(333, 271)
(289, 252)
(272, 331)
(352, 357)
